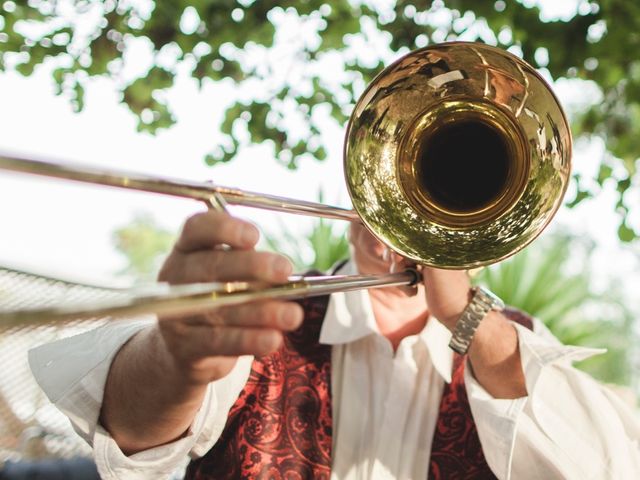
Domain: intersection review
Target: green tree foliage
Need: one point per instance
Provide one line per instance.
(541, 281)
(144, 245)
(327, 243)
(243, 42)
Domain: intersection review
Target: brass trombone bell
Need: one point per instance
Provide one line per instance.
(457, 155)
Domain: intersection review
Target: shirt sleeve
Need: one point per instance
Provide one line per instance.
(568, 427)
(73, 372)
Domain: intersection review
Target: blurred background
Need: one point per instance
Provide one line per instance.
(256, 95)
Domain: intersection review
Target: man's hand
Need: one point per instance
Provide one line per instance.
(158, 380)
(215, 246)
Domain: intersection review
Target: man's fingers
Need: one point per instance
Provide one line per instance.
(197, 256)
(253, 328)
(213, 228)
(233, 265)
(213, 341)
(284, 316)
(276, 314)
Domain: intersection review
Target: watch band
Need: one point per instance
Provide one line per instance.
(482, 302)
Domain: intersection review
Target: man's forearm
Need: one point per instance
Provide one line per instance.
(495, 358)
(147, 402)
(493, 353)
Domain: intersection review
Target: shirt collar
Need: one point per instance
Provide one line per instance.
(349, 314)
(350, 317)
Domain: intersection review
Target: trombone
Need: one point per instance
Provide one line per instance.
(456, 156)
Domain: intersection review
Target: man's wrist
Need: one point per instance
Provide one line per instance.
(482, 302)
(454, 313)
(494, 358)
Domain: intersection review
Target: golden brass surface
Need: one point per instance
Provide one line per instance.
(214, 196)
(409, 107)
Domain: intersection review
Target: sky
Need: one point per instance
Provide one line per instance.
(65, 229)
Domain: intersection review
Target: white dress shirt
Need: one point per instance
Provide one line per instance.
(385, 404)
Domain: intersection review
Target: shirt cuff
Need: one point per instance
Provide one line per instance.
(160, 462)
(497, 419)
(165, 460)
(73, 371)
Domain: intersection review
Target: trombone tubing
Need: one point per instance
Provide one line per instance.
(202, 191)
(195, 298)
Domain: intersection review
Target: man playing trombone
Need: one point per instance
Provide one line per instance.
(437, 381)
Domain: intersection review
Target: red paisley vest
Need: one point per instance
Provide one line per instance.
(280, 426)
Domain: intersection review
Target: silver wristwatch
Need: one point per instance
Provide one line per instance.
(482, 302)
